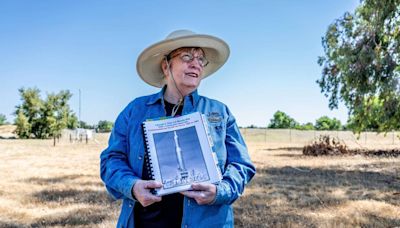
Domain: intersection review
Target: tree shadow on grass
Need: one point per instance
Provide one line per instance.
(4, 224)
(92, 183)
(257, 219)
(289, 155)
(74, 218)
(279, 195)
(286, 148)
(376, 221)
(71, 196)
(54, 180)
(359, 185)
(78, 217)
(100, 206)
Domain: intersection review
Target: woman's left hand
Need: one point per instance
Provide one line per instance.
(202, 193)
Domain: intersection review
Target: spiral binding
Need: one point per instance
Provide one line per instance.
(147, 158)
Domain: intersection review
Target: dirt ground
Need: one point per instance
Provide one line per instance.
(293, 190)
(46, 186)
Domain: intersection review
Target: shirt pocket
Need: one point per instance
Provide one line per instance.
(217, 132)
(216, 127)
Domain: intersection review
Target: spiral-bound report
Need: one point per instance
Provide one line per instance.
(180, 153)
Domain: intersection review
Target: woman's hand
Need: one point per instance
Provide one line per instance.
(202, 193)
(141, 191)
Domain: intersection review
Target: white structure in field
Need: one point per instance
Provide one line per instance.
(78, 134)
(81, 133)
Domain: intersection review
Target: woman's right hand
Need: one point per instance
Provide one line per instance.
(142, 192)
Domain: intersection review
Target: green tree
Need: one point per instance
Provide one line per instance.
(105, 126)
(23, 126)
(306, 126)
(372, 118)
(282, 120)
(361, 63)
(43, 118)
(326, 123)
(85, 125)
(3, 119)
(30, 109)
(72, 121)
(57, 112)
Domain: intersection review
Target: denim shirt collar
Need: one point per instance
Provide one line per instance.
(193, 97)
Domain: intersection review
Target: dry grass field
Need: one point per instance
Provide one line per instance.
(292, 190)
(46, 186)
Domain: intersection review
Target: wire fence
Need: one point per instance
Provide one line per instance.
(299, 137)
(283, 138)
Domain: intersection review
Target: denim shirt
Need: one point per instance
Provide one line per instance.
(122, 161)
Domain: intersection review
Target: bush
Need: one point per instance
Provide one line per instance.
(326, 123)
(43, 118)
(326, 145)
(23, 126)
(105, 126)
(306, 127)
(3, 119)
(84, 125)
(281, 120)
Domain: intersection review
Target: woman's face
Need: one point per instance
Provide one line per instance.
(186, 65)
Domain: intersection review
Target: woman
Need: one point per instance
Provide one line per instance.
(177, 65)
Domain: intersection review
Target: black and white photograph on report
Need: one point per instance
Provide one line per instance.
(180, 157)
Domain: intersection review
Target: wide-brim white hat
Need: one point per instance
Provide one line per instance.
(148, 64)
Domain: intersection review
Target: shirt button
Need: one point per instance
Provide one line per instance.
(130, 205)
(139, 157)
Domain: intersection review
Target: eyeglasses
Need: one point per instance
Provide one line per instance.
(188, 57)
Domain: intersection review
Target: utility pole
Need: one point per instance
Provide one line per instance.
(79, 121)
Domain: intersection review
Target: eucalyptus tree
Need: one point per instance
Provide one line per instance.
(361, 64)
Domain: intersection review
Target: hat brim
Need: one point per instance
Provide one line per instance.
(148, 64)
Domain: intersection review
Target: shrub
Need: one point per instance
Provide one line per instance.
(105, 126)
(3, 119)
(326, 145)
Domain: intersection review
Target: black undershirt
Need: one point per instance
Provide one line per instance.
(168, 212)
